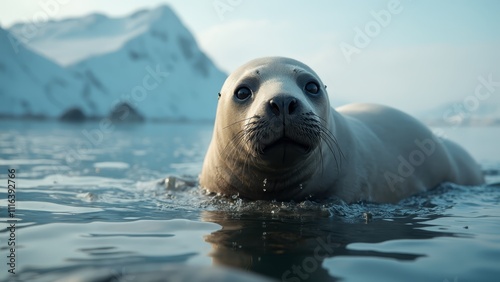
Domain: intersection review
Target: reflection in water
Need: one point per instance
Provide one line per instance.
(292, 248)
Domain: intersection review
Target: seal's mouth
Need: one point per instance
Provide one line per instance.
(286, 142)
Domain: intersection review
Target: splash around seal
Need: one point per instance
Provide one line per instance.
(276, 137)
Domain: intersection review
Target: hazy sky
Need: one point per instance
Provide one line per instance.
(410, 54)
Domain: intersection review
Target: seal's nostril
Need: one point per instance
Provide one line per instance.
(275, 108)
(292, 106)
(284, 105)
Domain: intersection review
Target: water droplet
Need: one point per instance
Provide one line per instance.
(264, 189)
(264, 182)
(300, 186)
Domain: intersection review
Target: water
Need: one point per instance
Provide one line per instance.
(91, 206)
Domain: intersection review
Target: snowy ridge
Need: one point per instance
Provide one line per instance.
(31, 85)
(75, 42)
(147, 60)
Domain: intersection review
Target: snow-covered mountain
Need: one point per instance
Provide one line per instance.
(31, 85)
(148, 61)
(72, 40)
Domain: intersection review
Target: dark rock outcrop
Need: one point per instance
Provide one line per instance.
(123, 112)
(73, 115)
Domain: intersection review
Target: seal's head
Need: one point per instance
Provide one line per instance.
(272, 118)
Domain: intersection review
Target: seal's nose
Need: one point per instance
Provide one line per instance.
(283, 105)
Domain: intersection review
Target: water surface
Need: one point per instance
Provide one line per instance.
(90, 206)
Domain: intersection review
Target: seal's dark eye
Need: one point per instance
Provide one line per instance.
(242, 93)
(312, 87)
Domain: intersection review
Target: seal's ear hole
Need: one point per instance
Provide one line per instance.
(325, 86)
(242, 93)
(312, 87)
(219, 95)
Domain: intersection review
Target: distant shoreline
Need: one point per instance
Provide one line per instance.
(41, 118)
(463, 123)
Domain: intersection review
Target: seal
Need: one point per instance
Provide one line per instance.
(276, 137)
